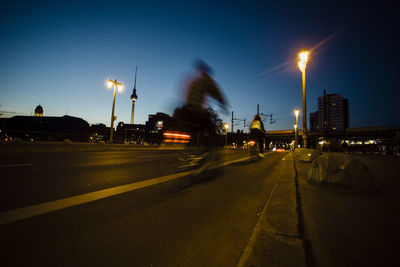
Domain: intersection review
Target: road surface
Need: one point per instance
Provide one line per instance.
(169, 224)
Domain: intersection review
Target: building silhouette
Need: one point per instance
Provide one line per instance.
(99, 133)
(46, 128)
(38, 111)
(151, 132)
(332, 114)
(313, 121)
(130, 133)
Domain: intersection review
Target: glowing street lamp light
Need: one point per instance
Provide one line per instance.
(303, 59)
(120, 88)
(296, 127)
(110, 84)
(226, 133)
(304, 56)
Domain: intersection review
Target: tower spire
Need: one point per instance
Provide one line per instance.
(134, 87)
(134, 98)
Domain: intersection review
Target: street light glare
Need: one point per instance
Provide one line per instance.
(109, 84)
(226, 126)
(301, 65)
(304, 56)
(296, 112)
(118, 86)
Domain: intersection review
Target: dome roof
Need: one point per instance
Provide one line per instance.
(39, 109)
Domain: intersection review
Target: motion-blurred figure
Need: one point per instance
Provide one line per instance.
(193, 115)
(202, 85)
(257, 132)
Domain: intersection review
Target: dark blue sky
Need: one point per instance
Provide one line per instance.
(59, 54)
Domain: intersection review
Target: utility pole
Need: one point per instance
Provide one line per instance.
(236, 119)
(115, 84)
(271, 121)
(303, 59)
(232, 123)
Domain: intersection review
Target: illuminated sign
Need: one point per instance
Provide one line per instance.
(159, 125)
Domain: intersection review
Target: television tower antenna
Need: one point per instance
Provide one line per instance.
(134, 98)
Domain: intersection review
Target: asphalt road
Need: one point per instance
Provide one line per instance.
(170, 224)
(32, 178)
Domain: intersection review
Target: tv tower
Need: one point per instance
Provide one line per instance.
(134, 98)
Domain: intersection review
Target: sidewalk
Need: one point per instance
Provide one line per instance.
(276, 240)
(350, 228)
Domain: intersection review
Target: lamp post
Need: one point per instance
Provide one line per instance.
(226, 133)
(116, 85)
(296, 127)
(303, 59)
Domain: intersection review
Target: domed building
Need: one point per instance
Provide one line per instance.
(38, 111)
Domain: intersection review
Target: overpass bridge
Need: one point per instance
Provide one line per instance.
(373, 137)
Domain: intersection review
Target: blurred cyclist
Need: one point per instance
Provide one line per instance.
(257, 132)
(198, 120)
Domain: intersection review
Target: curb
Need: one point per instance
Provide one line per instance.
(276, 240)
(301, 226)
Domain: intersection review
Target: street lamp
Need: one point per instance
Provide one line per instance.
(296, 136)
(119, 86)
(303, 59)
(226, 133)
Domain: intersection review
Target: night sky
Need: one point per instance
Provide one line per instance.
(60, 53)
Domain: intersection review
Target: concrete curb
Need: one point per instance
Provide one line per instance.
(276, 240)
(282, 217)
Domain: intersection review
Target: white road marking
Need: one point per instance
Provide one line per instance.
(47, 207)
(34, 210)
(16, 165)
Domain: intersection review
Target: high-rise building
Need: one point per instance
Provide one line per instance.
(333, 113)
(314, 121)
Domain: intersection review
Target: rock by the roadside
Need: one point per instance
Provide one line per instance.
(307, 155)
(340, 169)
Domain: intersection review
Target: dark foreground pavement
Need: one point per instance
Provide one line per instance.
(241, 215)
(350, 228)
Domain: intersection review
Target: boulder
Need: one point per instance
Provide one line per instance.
(340, 169)
(308, 155)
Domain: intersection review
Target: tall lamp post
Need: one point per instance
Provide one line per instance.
(110, 84)
(296, 127)
(226, 133)
(303, 59)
